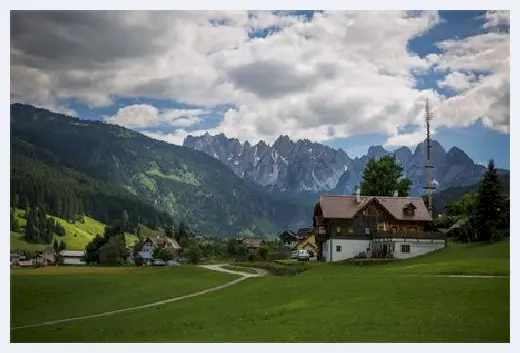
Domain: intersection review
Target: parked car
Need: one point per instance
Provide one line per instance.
(294, 255)
(303, 255)
(311, 253)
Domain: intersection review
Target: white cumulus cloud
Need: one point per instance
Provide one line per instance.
(145, 116)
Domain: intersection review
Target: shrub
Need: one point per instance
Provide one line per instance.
(194, 254)
(263, 251)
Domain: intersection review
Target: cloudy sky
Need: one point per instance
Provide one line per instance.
(346, 79)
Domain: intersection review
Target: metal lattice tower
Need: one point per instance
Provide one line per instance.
(429, 164)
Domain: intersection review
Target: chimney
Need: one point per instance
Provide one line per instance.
(358, 194)
(396, 193)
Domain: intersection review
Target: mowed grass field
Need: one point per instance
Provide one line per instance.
(399, 302)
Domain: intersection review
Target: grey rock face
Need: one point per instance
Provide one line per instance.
(312, 168)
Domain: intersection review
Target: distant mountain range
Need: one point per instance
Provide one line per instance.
(308, 168)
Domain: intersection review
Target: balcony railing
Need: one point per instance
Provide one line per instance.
(412, 235)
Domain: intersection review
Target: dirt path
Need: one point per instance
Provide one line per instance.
(259, 272)
(243, 276)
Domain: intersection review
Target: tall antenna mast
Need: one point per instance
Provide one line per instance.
(429, 165)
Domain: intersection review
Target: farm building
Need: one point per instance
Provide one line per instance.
(73, 257)
(251, 244)
(373, 226)
(151, 244)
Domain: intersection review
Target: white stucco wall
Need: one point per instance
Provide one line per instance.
(73, 261)
(352, 247)
(417, 247)
(349, 248)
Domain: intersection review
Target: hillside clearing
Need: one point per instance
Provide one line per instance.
(77, 235)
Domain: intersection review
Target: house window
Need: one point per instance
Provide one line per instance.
(338, 248)
(409, 211)
(412, 230)
(405, 249)
(338, 229)
(351, 230)
(394, 230)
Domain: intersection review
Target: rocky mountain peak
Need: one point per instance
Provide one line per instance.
(304, 166)
(376, 152)
(458, 156)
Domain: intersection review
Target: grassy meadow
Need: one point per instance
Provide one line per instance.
(77, 235)
(404, 301)
(53, 293)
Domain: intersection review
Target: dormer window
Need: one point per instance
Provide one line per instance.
(409, 210)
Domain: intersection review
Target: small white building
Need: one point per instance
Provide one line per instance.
(374, 227)
(73, 257)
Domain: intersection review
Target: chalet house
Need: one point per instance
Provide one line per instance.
(289, 239)
(374, 226)
(73, 257)
(251, 244)
(45, 258)
(150, 244)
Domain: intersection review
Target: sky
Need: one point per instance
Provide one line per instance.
(347, 79)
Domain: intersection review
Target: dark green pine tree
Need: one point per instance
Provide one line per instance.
(16, 200)
(124, 220)
(27, 208)
(490, 205)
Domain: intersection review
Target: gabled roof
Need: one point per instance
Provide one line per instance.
(162, 241)
(289, 234)
(253, 242)
(334, 206)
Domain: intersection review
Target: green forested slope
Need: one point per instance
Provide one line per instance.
(110, 168)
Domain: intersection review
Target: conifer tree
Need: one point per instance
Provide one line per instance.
(490, 205)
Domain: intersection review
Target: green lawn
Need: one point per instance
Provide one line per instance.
(53, 293)
(327, 303)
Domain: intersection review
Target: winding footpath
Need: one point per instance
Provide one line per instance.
(243, 276)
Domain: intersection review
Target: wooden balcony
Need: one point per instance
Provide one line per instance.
(408, 235)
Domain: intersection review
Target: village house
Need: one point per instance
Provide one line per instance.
(251, 244)
(151, 244)
(73, 257)
(308, 243)
(45, 258)
(289, 239)
(146, 257)
(374, 226)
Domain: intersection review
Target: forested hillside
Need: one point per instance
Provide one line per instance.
(76, 166)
